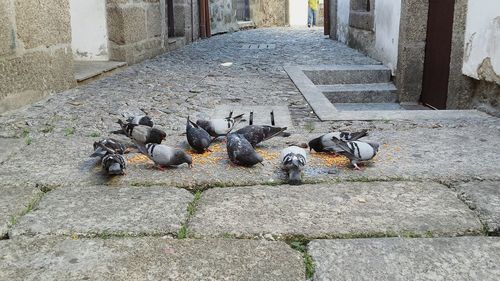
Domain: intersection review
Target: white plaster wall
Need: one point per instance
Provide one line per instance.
(482, 40)
(343, 9)
(387, 20)
(88, 30)
(298, 12)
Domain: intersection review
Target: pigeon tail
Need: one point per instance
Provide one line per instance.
(358, 135)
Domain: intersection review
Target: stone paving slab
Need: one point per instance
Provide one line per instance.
(440, 153)
(102, 210)
(261, 114)
(335, 210)
(14, 201)
(459, 258)
(148, 259)
(484, 198)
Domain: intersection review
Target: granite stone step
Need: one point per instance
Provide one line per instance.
(360, 93)
(348, 74)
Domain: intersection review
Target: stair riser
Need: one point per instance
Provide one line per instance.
(330, 77)
(362, 97)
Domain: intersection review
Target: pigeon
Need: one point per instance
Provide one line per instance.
(112, 144)
(256, 134)
(142, 134)
(114, 164)
(325, 143)
(220, 127)
(293, 160)
(241, 152)
(141, 120)
(197, 137)
(165, 156)
(357, 151)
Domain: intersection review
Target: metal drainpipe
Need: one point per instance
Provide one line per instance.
(192, 22)
(203, 28)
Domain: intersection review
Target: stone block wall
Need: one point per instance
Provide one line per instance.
(267, 13)
(223, 16)
(35, 51)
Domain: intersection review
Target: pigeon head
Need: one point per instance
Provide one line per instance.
(316, 145)
(374, 145)
(115, 169)
(156, 136)
(182, 157)
(294, 177)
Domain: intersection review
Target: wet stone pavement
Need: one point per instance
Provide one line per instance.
(62, 219)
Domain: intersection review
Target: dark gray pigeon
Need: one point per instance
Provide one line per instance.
(357, 151)
(115, 146)
(241, 152)
(140, 120)
(293, 160)
(114, 164)
(325, 143)
(197, 137)
(256, 134)
(220, 127)
(142, 134)
(165, 156)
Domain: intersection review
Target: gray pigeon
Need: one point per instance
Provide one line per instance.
(165, 156)
(256, 134)
(325, 143)
(140, 120)
(293, 160)
(220, 127)
(115, 146)
(357, 151)
(142, 134)
(241, 152)
(197, 137)
(114, 164)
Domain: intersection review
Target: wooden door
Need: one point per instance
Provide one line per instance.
(326, 14)
(437, 53)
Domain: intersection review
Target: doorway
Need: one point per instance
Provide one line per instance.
(437, 53)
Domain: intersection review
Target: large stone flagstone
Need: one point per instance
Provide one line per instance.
(337, 210)
(14, 201)
(148, 259)
(459, 258)
(484, 197)
(106, 210)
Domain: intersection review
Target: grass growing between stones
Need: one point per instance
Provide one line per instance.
(31, 205)
(301, 246)
(191, 209)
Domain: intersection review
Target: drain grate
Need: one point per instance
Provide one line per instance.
(258, 46)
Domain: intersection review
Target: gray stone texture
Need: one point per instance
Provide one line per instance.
(348, 74)
(148, 259)
(7, 33)
(154, 20)
(360, 93)
(14, 202)
(126, 24)
(333, 210)
(88, 211)
(460, 258)
(361, 20)
(222, 16)
(44, 23)
(484, 198)
(268, 13)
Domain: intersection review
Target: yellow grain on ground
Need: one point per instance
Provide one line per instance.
(267, 155)
(207, 157)
(138, 159)
(328, 159)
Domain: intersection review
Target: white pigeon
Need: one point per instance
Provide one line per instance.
(293, 160)
(357, 151)
(325, 143)
(165, 156)
(220, 127)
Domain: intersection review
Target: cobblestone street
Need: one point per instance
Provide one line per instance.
(433, 181)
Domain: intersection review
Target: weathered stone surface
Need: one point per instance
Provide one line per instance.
(90, 211)
(336, 210)
(7, 35)
(14, 201)
(154, 20)
(266, 13)
(43, 23)
(484, 198)
(126, 25)
(148, 259)
(460, 258)
(8, 146)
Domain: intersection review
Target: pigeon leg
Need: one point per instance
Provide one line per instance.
(161, 168)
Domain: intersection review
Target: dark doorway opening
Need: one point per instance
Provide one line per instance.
(437, 53)
(170, 18)
(243, 10)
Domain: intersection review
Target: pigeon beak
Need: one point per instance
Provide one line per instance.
(190, 166)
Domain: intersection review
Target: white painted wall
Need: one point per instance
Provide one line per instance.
(387, 21)
(482, 38)
(88, 30)
(298, 12)
(343, 9)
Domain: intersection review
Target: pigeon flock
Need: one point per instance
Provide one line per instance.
(240, 145)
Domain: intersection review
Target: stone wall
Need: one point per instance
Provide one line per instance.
(223, 16)
(267, 13)
(35, 51)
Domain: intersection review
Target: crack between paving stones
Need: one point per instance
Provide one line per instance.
(191, 209)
